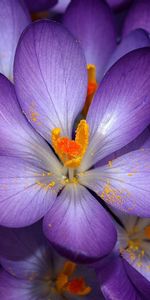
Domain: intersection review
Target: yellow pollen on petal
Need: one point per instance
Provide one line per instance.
(92, 86)
(147, 232)
(74, 286)
(70, 151)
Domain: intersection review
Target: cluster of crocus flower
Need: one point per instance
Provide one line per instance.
(74, 154)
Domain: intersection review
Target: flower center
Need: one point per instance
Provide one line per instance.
(75, 286)
(137, 244)
(92, 86)
(70, 151)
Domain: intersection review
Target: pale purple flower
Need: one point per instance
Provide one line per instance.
(125, 274)
(51, 85)
(32, 270)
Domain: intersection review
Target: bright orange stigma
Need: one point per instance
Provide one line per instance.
(75, 286)
(92, 86)
(69, 151)
(78, 287)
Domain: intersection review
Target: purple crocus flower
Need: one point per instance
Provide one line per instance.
(14, 18)
(33, 270)
(51, 84)
(125, 274)
(138, 17)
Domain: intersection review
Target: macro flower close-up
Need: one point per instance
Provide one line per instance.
(75, 150)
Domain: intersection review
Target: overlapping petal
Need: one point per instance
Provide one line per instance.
(18, 138)
(91, 22)
(14, 289)
(76, 225)
(123, 182)
(24, 251)
(138, 17)
(50, 77)
(61, 6)
(115, 283)
(27, 191)
(13, 19)
(140, 281)
(26, 164)
(141, 142)
(134, 40)
(121, 107)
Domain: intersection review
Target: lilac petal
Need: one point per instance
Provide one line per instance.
(123, 183)
(50, 77)
(13, 19)
(22, 251)
(76, 225)
(142, 284)
(115, 283)
(40, 4)
(120, 110)
(139, 258)
(61, 6)
(138, 17)
(25, 164)
(135, 40)
(18, 138)
(141, 142)
(27, 191)
(92, 24)
(15, 289)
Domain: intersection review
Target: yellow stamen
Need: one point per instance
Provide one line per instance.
(70, 151)
(92, 86)
(75, 286)
(69, 268)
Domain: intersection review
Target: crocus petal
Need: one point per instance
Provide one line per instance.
(142, 284)
(27, 191)
(21, 147)
(50, 77)
(18, 138)
(15, 289)
(22, 251)
(40, 4)
(61, 6)
(115, 283)
(135, 40)
(76, 225)
(124, 182)
(92, 24)
(138, 17)
(13, 19)
(141, 142)
(121, 107)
